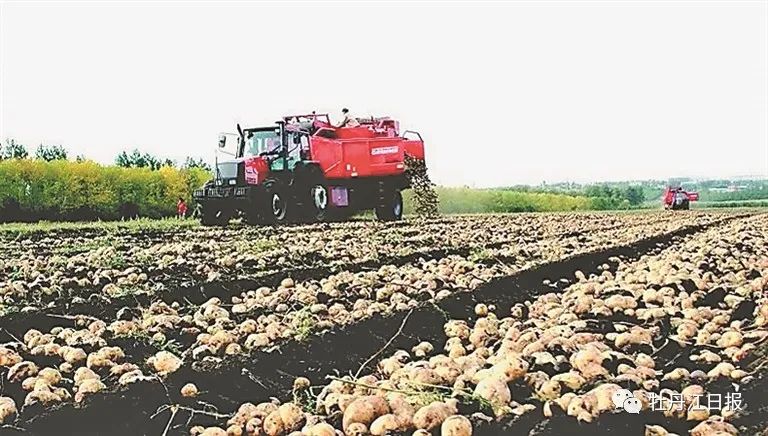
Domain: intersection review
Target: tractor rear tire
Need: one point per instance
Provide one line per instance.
(277, 207)
(685, 205)
(214, 217)
(392, 207)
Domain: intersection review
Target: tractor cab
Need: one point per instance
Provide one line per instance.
(267, 144)
(256, 152)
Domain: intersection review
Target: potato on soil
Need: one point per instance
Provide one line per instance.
(50, 375)
(714, 427)
(356, 429)
(164, 362)
(44, 397)
(189, 390)
(456, 425)
(87, 388)
(22, 370)
(432, 416)
(82, 374)
(7, 409)
(494, 390)
(386, 424)
(292, 416)
(320, 429)
(655, 430)
(301, 383)
(9, 357)
(273, 424)
(364, 410)
(133, 376)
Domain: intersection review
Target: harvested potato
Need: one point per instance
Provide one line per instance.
(7, 409)
(432, 416)
(456, 425)
(189, 390)
(164, 362)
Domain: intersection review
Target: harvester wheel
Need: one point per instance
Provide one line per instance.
(685, 205)
(319, 202)
(392, 207)
(276, 209)
(214, 217)
(313, 202)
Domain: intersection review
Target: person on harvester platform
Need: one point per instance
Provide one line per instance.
(348, 120)
(181, 208)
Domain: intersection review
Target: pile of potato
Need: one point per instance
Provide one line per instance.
(264, 316)
(122, 264)
(71, 362)
(569, 353)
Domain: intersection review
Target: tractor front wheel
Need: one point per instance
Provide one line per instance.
(392, 207)
(277, 206)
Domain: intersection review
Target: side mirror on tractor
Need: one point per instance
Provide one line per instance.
(222, 141)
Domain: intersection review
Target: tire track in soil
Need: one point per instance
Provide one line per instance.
(256, 377)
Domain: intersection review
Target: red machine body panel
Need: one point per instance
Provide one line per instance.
(256, 170)
(668, 197)
(373, 149)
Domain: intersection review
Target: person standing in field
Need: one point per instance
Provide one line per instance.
(181, 208)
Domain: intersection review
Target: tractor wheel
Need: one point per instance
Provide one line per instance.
(312, 200)
(685, 205)
(277, 205)
(392, 208)
(319, 204)
(214, 217)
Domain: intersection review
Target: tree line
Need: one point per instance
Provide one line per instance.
(51, 187)
(12, 149)
(602, 195)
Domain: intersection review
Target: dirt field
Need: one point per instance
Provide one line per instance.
(522, 324)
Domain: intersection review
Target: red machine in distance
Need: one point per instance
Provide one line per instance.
(303, 168)
(678, 199)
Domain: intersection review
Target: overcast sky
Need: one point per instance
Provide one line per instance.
(502, 93)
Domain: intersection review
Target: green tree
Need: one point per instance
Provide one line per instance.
(13, 150)
(635, 195)
(137, 159)
(50, 152)
(191, 162)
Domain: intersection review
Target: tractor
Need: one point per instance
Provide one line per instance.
(678, 199)
(303, 169)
